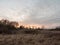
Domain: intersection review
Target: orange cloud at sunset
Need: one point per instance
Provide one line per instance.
(30, 25)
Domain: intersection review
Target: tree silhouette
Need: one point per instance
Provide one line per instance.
(21, 27)
(6, 27)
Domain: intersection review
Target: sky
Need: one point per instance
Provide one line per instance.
(36, 12)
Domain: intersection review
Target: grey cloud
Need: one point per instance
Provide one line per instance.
(45, 14)
(36, 11)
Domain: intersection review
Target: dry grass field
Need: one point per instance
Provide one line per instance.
(40, 38)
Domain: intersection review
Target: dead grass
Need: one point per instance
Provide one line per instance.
(30, 39)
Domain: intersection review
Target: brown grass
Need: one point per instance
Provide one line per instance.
(42, 38)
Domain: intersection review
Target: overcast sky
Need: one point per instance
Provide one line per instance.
(41, 12)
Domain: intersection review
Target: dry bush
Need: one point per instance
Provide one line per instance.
(31, 32)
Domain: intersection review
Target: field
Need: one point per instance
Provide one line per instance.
(31, 38)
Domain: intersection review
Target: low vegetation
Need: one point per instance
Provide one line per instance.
(10, 35)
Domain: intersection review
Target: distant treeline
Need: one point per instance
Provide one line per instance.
(7, 27)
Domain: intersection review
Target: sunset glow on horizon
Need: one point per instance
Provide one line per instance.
(31, 12)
